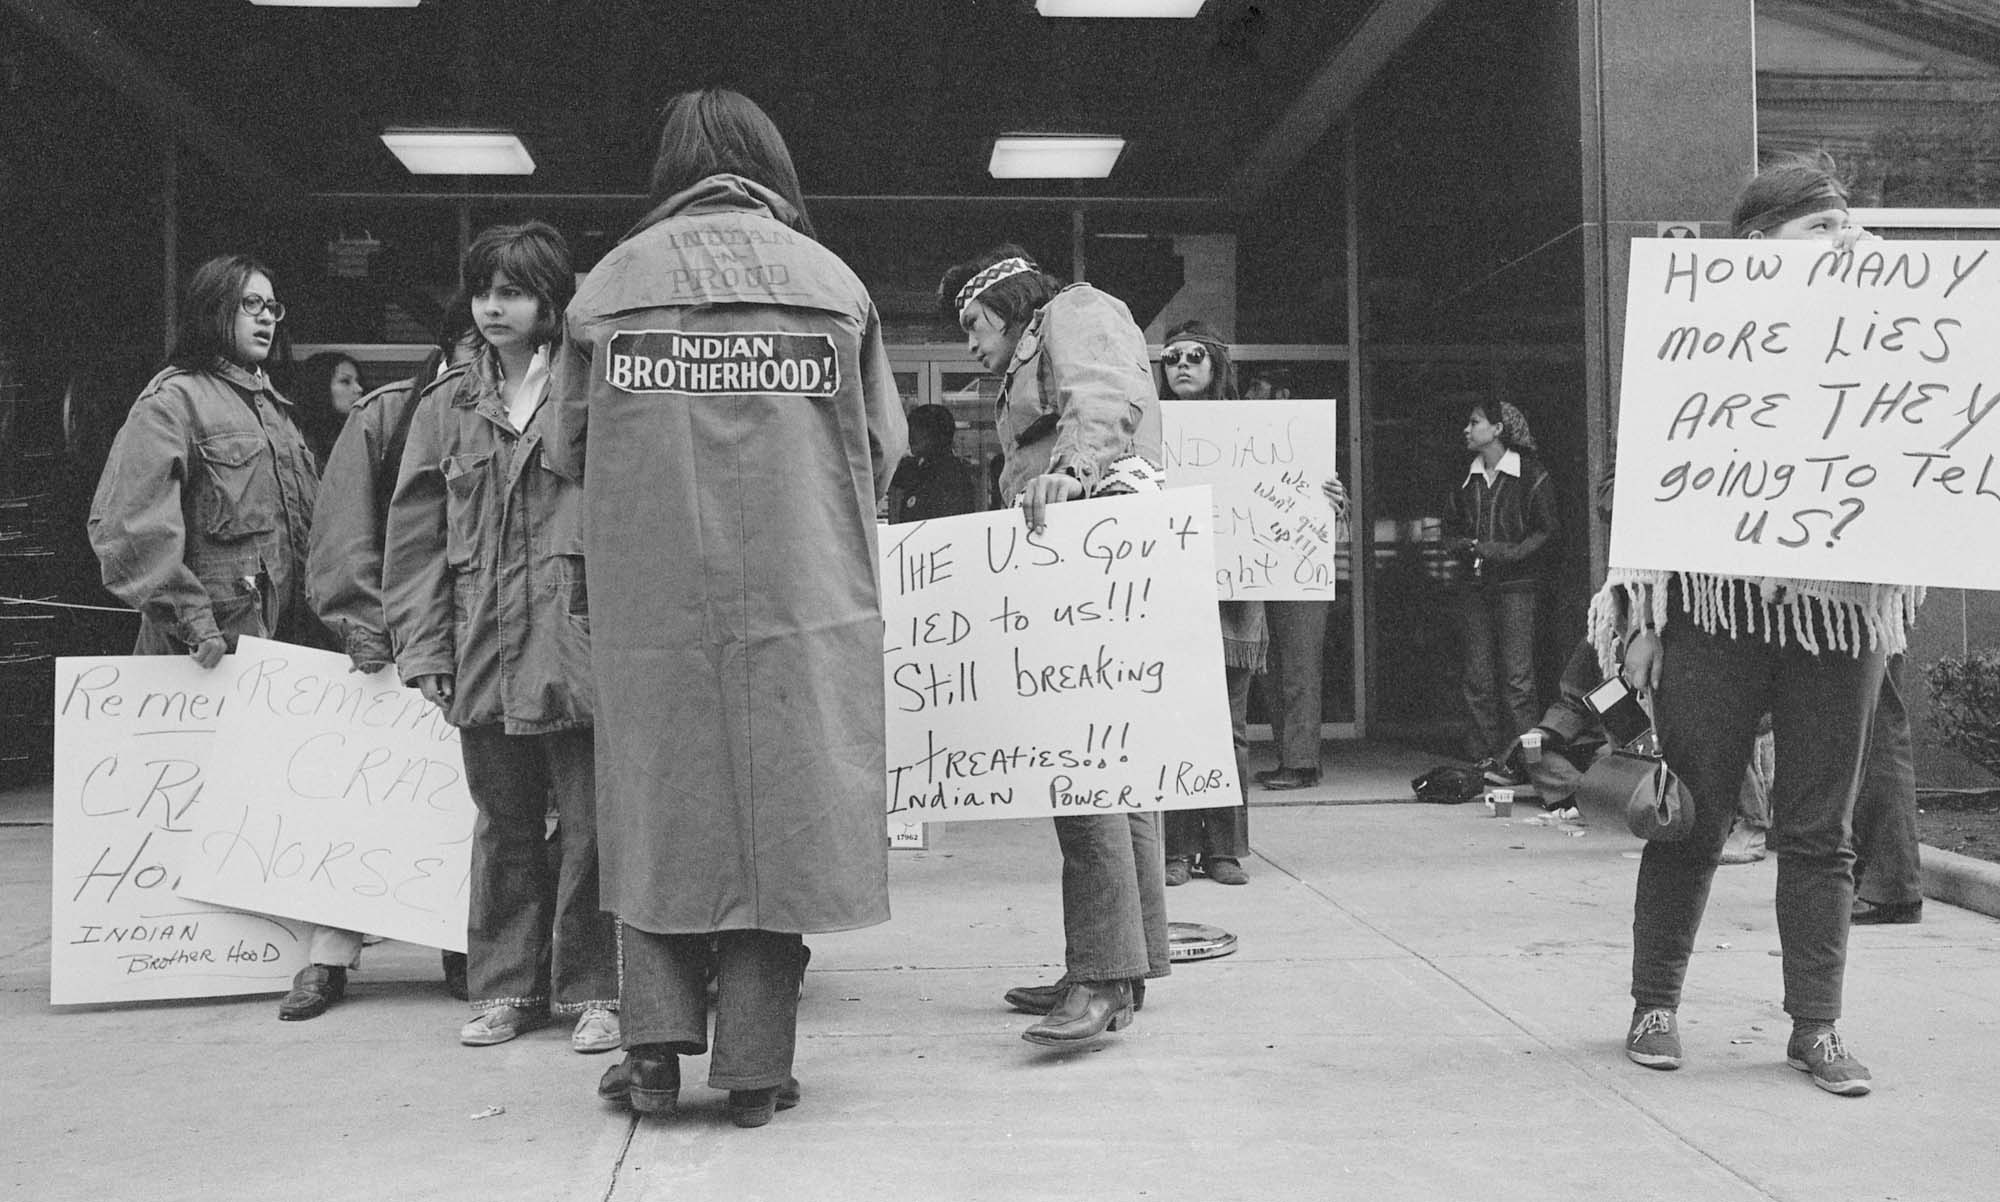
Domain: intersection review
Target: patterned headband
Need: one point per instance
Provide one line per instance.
(989, 277)
(1771, 219)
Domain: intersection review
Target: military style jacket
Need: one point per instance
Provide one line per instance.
(200, 518)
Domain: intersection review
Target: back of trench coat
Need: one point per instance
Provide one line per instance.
(727, 401)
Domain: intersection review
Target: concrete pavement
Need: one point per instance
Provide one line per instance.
(1427, 1004)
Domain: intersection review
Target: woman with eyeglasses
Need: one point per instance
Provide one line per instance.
(201, 515)
(1078, 417)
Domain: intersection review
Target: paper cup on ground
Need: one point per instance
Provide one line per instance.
(1502, 801)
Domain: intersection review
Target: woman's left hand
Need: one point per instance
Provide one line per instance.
(1336, 495)
(1044, 491)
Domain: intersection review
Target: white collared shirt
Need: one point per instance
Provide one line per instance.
(534, 387)
(1509, 465)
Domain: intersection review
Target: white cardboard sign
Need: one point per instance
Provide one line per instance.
(133, 739)
(1074, 671)
(1792, 410)
(1265, 461)
(344, 804)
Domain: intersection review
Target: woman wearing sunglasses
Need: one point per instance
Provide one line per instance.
(1077, 417)
(200, 517)
(1196, 365)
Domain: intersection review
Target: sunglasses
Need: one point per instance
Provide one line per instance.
(1193, 356)
(253, 304)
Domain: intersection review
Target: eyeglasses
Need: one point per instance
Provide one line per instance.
(1193, 356)
(253, 304)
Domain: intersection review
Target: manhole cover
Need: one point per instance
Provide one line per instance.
(1197, 941)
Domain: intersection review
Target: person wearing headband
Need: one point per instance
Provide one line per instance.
(1501, 520)
(1716, 652)
(1077, 417)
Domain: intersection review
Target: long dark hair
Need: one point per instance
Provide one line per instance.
(310, 389)
(715, 131)
(534, 256)
(207, 328)
(1222, 382)
(1013, 300)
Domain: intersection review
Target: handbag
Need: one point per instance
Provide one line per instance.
(1660, 808)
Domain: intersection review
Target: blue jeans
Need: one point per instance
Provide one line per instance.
(534, 926)
(1219, 832)
(1292, 683)
(1886, 869)
(1114, 892)
(664, 994)
(1713, 691)
(1499, 630)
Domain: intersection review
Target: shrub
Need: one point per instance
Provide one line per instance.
(1965, 705)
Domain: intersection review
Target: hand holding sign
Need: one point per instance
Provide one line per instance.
(1795, 409)
(1070, 670)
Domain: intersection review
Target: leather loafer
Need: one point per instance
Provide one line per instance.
(1040, 999)
(649, 1083)
(1265, 775)
(1224, 871)
(1291, 778)
(1088, 1009)
(1867, 913)
(316, 987)
(754, 1107)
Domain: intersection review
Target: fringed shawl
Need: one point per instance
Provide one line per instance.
(1243, 634)
(1850, 615)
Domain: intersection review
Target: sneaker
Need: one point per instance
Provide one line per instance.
(1179, 871)
(500, 1024)
(1655, 1039)
(1566, 811)
(1818, 1050)
(1745, 845)
(596, 1031)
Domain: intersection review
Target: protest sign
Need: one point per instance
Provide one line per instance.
(1073, 671)
(1265, 461)
(133, 736)
(1792, 410)
(342, 800)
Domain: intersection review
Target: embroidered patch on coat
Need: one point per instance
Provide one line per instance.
(722, 364)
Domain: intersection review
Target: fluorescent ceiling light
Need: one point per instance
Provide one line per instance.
(1054, 156)
(459, 151)
(1118, 8)
(338, 3)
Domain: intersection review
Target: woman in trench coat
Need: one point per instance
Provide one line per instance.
(728, 405)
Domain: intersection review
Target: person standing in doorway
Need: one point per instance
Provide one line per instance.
(1502, 522)
(933, 482)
